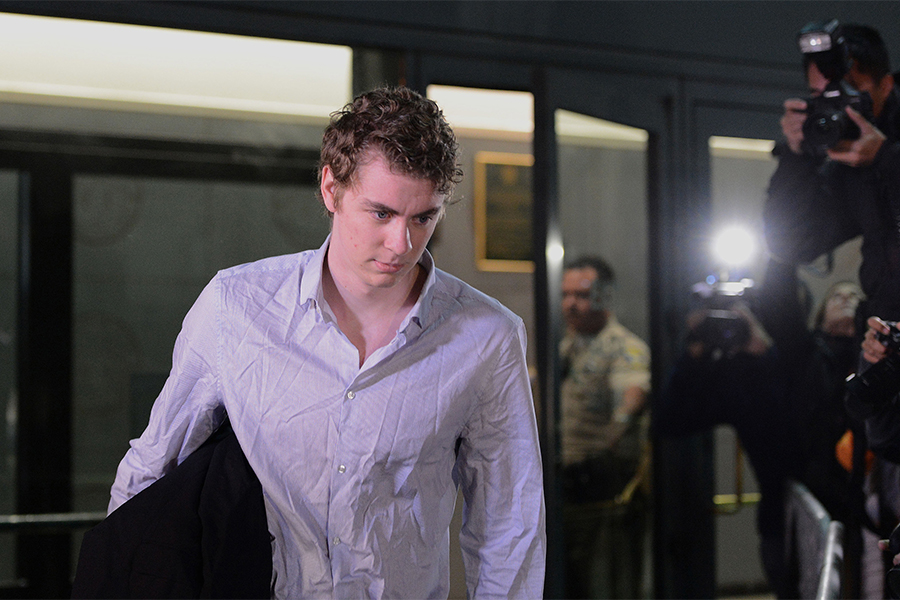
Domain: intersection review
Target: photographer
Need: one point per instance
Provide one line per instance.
(872, 396)
(826, 191)
(873, 393)
(779, 386)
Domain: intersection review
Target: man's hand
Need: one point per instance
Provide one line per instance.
(760, 341)
(873, 349)
(883, 545)
(757, 344)
(792, 123)
(861, 151)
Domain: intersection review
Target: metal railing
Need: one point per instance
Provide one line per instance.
(830, 577)
(729, 504)
(49, 521)
(815, 543)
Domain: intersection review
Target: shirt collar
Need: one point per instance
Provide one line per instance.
(422, 308)
(311, 282)
(311, 286)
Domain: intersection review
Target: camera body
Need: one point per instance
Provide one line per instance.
(878, 384)
(827, 122)
(722, 330)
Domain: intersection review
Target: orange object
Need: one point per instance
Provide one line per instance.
(843, 450)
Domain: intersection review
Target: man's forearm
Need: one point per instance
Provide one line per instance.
(803, 215)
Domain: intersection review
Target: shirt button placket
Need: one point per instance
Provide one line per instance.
(341, 469)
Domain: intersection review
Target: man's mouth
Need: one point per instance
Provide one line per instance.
(388, 267)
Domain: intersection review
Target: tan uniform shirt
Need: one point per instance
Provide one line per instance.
(598, 369)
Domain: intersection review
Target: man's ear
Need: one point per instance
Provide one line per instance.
(886, 85)
(328, 189)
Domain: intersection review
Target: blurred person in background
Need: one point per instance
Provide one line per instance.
(605, 384)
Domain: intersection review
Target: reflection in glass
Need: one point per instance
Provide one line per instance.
(604, 357)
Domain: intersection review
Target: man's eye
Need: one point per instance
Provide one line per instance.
(424, 219)
(381, 215)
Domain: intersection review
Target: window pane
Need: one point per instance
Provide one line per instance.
(602, 170)
(144, 249)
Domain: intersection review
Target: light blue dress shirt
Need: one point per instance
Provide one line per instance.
(360, 465)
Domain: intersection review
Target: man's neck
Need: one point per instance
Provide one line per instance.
(597, 324)
(370, 318)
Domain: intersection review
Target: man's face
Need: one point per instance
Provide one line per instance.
(840, 310)
(581, 303)
(877, 90)
(380, 227)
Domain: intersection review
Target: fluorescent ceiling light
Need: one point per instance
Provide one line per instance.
(492, 110)
(113, 65)
(578, 125)
(499, 110)
(741, 147)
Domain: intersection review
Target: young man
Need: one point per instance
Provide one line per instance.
(364, 385)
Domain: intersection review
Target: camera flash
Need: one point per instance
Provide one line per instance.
(814, 42)
(734, 246)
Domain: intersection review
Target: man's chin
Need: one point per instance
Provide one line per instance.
(380, 279)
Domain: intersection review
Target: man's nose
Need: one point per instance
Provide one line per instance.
(398, 239)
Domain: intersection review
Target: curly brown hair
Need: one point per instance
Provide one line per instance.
(404, 127)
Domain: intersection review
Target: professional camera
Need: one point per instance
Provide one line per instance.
(827, 122)
(878, 384)
(722, 329)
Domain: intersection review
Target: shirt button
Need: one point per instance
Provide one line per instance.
(341, 469)
(351, 395)
(335, 541)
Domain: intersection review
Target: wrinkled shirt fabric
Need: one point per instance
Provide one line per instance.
(360, 465)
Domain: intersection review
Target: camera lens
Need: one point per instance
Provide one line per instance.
(824, 129)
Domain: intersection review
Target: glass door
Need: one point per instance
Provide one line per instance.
(605, 355)
(591, 194)
(143, 249)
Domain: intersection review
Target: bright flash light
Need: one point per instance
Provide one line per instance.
(734, 246)
(555, 252)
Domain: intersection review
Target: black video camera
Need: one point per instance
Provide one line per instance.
(722, 330)
(827, 122)
(878, 384)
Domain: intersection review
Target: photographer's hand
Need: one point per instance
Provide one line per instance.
(873, 349)
(861, 151)
(883, 546)
(792, 123)
(760, 341)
